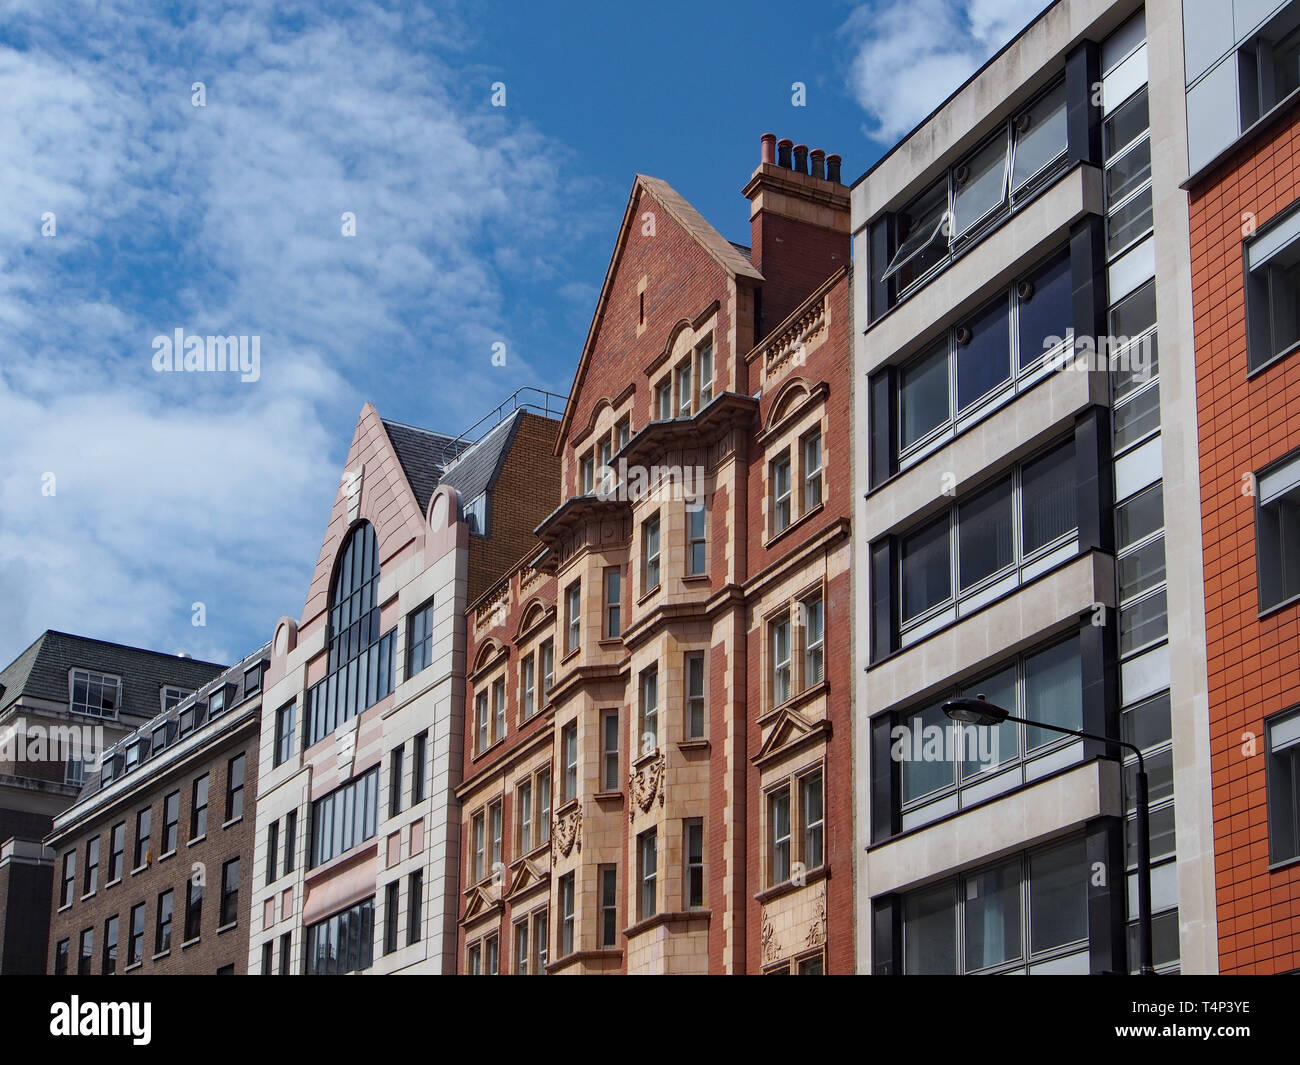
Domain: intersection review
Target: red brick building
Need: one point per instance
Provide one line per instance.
(656, 766)
(1244, 245)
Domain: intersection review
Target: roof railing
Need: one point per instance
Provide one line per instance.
(548, 404)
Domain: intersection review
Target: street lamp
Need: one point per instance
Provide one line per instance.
(978, 711)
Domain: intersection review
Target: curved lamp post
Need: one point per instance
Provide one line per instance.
(978, 711)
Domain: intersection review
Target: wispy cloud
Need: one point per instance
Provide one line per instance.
(909, 55)
(227, 219)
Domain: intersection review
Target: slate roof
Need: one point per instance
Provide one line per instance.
(476, 470)
(424, 456)
(41, 671)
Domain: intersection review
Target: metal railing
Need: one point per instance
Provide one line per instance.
(548, 404)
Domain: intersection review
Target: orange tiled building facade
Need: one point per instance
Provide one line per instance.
(656, 768)
(1248, 394)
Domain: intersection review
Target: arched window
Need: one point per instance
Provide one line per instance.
(360, 659)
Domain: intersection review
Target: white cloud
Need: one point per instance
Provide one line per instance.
(176, 488)
(910, 55)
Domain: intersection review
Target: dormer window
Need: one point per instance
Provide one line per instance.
(476, 515)
(96, 694)
(171, 696)
(253, 679)
(217, 702)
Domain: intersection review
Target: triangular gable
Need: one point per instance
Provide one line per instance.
(374, 487)
(790, 732)
(479, 902)
(526, 875)
(726, 254)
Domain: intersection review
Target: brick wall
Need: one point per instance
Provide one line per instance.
(1245, 423)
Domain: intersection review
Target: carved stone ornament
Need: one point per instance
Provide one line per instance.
(645, 783)
(567, 834)
(767, 934)
(817, 930)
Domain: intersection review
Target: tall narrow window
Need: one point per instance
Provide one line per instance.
(566, 915)
(693, 833)
(778, 823)
(519, 954)
(478, 829)
(108, 963)
(528, 686)
(193, 909)
(143, 823)
(609, 775)
(647, 873)
(541, 942)
(569, 752)
(650, 554)
(548, 670)
(498, 709)
(290, 841)
(391, 915)
(171, 822)
(613, 612)
(419, 640)
(588, 474)
(67, 892)
(162, 936)
(235, 788)
(419, 765)
(696, 538)
(705, 355)
(814, 657)
(91, 881)
(286, 954)
(695, 695)
(543, 806)
(495, 822)
(116, 849)
(524, 815)
(623, 433)
(649, 729)
(272, 846)
(779, 646)
(395, 758)
(779, 472)
(285, 725)
(1283, 786)
(414, 904)
(135, 948)
(1277, 533)
(573, 616)
(685, 393)
(812, 471)
(813, 820)
(229, 892)
(608, 906)
(87, 952)
(481, 742)
(664, 401)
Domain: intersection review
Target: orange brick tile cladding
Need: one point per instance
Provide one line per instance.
(1245, 423)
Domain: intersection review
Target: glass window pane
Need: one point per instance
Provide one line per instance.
(1128, 222)
(924, 239)
(1142, 569)
(925, 762)
(1047, 312)
(992, 916)
(1147, 724)
(927, 569)
(1126, 124)
(1143, 622)
(985, 535)
(1138, 416)
(1040, 136)
(1058, 896)
(930, 932)
(923, 396)
(1129, 171)
(984, 362)
(1140, 516)
(979, 185)
(1134, 365)
(1053, 692)
(1049, 499)
(1135, 313)
(984, 747)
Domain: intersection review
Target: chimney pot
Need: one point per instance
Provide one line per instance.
(783, 147)
(818, 163)
(801, 158)
(767, 152)
(833, 168)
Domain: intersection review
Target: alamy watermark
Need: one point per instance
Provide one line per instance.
(23, 741)
(976, 744)
(632, 484)
(210, 354)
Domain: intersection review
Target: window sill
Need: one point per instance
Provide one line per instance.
(648, 595)
(87, 895)
(170, 854)
(611, 643)
(608, 796)
(112, 883)
(1276, 608)
(565, 807)
(489, 748)
(798, 699)
(1284, 863)
(667, 917)
(133, 966)
(646, 759)
(232, 822)
(228, 927)
(162, 954)
(700, 744)
(571, 653)
(695, 578)
(787, 887)
(191, 942)
(197, 839)
(1271, 361)
(796, 523)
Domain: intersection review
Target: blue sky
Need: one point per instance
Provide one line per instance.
(127, 496)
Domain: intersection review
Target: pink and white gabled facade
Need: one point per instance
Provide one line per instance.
(318, 906)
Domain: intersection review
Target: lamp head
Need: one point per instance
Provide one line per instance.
(975, 711)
